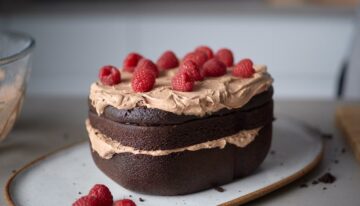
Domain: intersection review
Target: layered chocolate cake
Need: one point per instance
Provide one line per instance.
(178, 127)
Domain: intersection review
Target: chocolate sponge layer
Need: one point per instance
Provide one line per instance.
(156, 117)
(186, 134)
(189, 171)
(186, 172)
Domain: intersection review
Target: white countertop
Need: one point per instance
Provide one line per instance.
(48, 123)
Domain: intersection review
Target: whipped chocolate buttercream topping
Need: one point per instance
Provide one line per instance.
(208, 96)
(107, 147)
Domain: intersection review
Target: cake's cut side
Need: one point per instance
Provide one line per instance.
(180, 126)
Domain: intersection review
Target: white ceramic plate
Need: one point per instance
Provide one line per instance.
(58, 178)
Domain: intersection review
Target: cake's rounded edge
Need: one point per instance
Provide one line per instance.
(186, 172)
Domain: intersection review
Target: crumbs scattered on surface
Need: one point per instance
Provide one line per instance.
(324, 188)
(327, 178)
(79, 193)
(343, 150)
(130, 195)
(219, 189)
(141, 199)
(303, 185)
(315, 182)
(272, 152)
(336, 161)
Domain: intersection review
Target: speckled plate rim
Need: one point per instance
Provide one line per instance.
(6, 188)
(237, 201)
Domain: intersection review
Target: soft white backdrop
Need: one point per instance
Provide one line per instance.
(304, 50)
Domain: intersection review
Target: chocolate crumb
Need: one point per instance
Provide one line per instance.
(327, 136)
(141, 199)
(79, 193)
(303, 185)
(336, 161)
(13, 171)
(327, 178)
(272, 152)
(343, 150)
(130, 195)
(315, 182)
(324, 188)
(219, 189)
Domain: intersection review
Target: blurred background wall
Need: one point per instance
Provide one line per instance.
(303, 46)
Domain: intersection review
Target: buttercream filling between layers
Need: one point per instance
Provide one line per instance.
(208, 96)
(107, 147)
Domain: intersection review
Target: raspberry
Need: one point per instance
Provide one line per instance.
(182, 82)
(198, 57)
(124, 202)
(213, 68)
(148, 64)
(102, 193)
(109, 75)
(131, 61)
(143, 80)
(225, 56)
(192, 70)
(88, 201)
(167, 60)
(209, 53)
(244, 69)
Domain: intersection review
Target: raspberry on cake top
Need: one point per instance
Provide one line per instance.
(202, 83)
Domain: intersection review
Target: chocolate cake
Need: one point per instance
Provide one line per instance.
(181, 135)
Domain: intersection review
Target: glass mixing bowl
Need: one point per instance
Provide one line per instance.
(15, 65)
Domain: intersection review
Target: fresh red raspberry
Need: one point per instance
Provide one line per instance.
(149, 65)
(102, 193)
(167, 60)
(131, 61)
(244, 69)
(88, 201)
(213, 68)
(124, 202)
(182, 82)
(143, 80)
(109, 75)
(192, 70)
(198, 57)
(225, 56)
(207, 50)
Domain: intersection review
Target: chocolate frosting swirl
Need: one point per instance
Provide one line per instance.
(208, 96)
